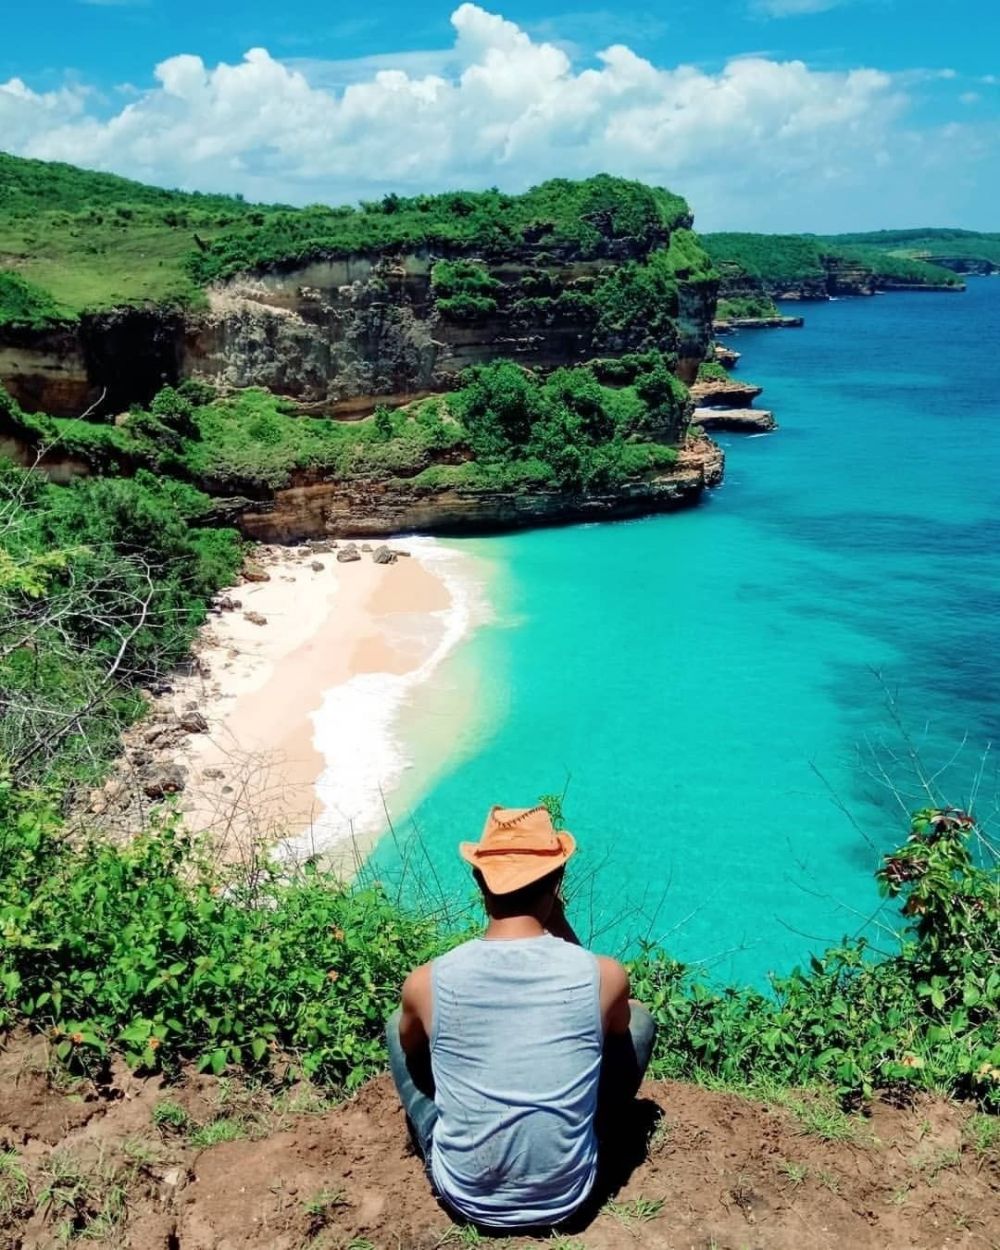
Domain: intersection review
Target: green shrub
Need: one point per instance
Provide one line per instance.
(150, 949)
(121, 575)
(153, 950)
(467, 307)
(737, 307)
(22, 303)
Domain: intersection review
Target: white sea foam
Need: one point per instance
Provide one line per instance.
(357, 725)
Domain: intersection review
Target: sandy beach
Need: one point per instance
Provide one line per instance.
(299, 686)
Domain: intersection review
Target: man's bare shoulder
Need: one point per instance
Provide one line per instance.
(614, 977)
(417, 987)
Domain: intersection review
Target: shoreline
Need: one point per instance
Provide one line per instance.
(299, 749)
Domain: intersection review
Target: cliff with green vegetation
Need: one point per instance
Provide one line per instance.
(756, 269)
(109, 289)
(534, 349)
(961, 251)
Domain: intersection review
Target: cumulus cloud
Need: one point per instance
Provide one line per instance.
(760, 141)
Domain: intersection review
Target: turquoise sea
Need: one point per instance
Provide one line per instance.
(737, 695)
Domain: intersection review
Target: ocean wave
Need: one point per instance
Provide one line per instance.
(357, 725)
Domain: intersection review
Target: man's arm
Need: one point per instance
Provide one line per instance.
(415, 1017)
(615, 1009)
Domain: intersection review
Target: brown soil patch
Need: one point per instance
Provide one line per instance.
(697, 1170)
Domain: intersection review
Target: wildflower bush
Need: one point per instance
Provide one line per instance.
(151, 950)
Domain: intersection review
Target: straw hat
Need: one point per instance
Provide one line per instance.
(518, 846)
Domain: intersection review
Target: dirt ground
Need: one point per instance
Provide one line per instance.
(209, 1165)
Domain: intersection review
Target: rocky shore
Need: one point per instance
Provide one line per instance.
(757, 323)
(735, 420)
(728, 393)
(313, 509)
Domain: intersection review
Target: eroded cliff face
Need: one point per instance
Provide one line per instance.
(314, 508)
(340, 336)
(105, 360)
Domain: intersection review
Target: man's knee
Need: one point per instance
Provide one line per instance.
(642, 1027)
(392, 1041)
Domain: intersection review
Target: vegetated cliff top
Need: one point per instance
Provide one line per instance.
(76, 240)
(795, 258)
(929, 243)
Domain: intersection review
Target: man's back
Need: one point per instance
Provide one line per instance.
(515, 1042)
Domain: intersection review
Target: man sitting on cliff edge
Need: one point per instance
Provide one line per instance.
(511, 1049)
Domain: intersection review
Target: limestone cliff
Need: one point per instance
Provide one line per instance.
(341, 335)
(311, 507)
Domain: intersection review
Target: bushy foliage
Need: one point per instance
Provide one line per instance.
(22, 303)
(103, 585)
(464, 289)
(252, 441)
(887, 265)
(923, 244)
(926, 1017)
(737, 307)
(781, 257)
(585, 216)
(153, 951)
(633, 294)
(712, 371)
(570, 422)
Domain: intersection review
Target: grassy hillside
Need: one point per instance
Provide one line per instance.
(795, 258)
(86, 241)
(969, 245)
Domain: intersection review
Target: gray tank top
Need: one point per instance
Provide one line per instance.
(516, 1044)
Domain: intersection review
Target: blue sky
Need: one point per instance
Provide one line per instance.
(893, 117)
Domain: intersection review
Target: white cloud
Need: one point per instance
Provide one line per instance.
(762, 142)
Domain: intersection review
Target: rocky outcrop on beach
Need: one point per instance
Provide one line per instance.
(724, 325)
(716, 393)
(735, 420)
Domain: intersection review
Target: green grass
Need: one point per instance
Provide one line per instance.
(14, 1189)
(93, 241)
(87, 241)
(794, 1173)
(170, 1115)
(983, 1132)
(22, 303)
(636, 1211)
(216, 1132)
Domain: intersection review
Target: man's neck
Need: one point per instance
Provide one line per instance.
(511, 927)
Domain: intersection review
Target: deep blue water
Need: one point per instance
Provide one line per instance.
(736, 692)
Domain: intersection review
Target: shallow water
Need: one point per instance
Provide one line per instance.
(734, 693)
